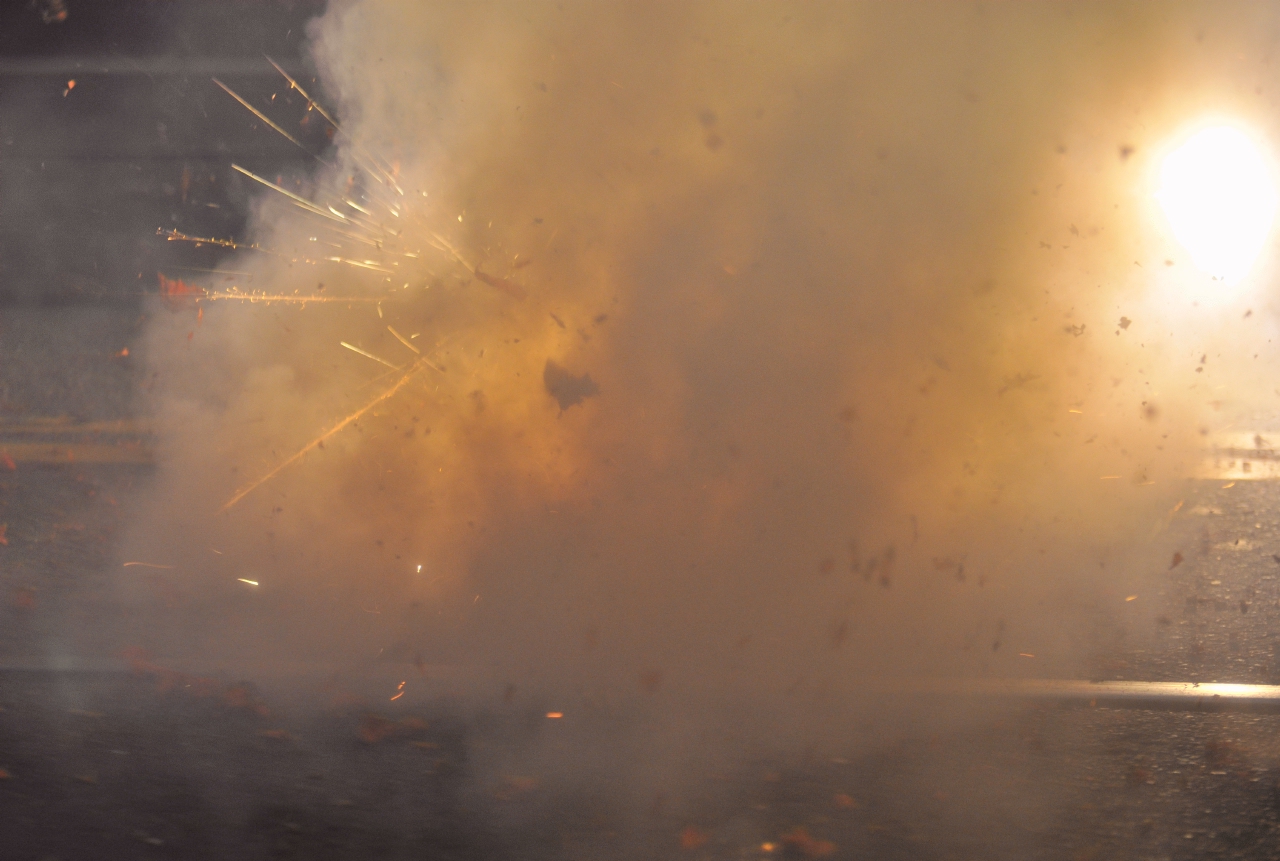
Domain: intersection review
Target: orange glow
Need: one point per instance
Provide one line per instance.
(555, 714)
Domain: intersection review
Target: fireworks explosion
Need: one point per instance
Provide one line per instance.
(593, 369)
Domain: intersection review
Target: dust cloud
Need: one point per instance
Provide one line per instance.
(762, 350)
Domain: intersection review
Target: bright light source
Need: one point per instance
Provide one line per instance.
(1219, 195)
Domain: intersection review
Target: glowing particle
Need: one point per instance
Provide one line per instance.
(419, 569)
(250, 582)
(145, 565)
(368, 355)
(1025, 655)
(555, 715)
(1131, 598)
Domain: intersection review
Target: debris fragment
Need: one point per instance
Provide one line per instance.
(1177, 560)
(566, 388)
(511, 288)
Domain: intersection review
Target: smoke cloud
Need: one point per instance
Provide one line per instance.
(764, 350)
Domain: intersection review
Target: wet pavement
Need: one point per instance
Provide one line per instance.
(150, 762)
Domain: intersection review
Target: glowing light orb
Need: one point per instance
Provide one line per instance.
(1219, 195)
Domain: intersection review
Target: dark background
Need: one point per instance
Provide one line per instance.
(144, 141)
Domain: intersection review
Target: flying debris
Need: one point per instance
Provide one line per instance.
(566, 388)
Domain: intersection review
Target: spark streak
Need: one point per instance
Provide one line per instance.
(178, 236)
(301, 201)
(362, 264)
(312, 103)
(315, 443)
(403, 340)
(368, 355)
(295, 298)
(260, 115)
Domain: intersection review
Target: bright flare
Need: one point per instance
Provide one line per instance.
(1219, 195)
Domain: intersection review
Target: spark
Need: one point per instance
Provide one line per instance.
(260, 115)
(390, 391)
(214, 271)
(368, 355)
(177, 236)
(445, 245)
(296, 298)
(250, 582)
(363, 264)
(403, 340)
(555, 715)
(301, 201)
(399, 692)
(312, 103)
(1131, 598)
(419, 569)
(147, 565)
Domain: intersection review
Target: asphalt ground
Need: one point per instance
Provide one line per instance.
(149, 762)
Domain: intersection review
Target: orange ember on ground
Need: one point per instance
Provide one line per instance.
(799, 840)
(692, 838)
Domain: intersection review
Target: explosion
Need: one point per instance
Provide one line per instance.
(596, 370)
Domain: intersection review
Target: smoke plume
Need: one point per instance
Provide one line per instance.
(763, 350)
